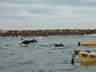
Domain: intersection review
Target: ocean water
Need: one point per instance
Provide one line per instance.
(43, 56)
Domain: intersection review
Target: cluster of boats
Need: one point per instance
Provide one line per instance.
(87, 58)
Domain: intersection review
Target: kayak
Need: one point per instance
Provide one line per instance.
(87, 44)
(85, 57)
(88, 63)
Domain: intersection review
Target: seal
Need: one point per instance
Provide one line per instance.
(57, 45)
(28, 42)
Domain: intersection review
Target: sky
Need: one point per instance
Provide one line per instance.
(47, 14)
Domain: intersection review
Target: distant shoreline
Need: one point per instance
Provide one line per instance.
(25, 33)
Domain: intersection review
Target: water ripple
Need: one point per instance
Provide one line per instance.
(1, 67)
(27, 62)
(43, 56)
(12, 54)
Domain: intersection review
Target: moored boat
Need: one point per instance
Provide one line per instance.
(85, 57)
(87, 44)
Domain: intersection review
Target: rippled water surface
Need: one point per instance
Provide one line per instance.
(43, 56)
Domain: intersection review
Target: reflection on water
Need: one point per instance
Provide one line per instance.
(88, 63)
(43, 56)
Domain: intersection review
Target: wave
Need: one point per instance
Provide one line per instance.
(44, 44)
(3, 47)
(24, 46)
(27, 62)
(1, 67)
(7, 45)
(89, 34)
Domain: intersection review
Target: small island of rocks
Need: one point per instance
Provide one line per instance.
(25, 33)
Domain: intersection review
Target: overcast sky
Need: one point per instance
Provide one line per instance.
(47, 14)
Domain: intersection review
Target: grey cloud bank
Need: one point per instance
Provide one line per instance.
(54, 2)
(47, 14)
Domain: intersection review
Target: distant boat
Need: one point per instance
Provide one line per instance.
(87, 44)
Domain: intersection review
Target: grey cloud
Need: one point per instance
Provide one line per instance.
(56, 2)
(80, 12)
(16, 17)
(70, 2)
(42, 11)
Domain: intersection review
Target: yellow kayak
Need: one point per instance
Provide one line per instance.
(87, 44)
(85, 57)
(88, 63)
